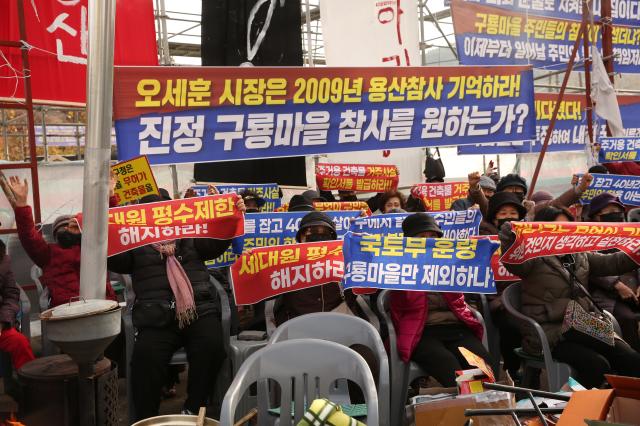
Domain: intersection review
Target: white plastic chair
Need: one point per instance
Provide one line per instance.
(305, 369)
(346, 330)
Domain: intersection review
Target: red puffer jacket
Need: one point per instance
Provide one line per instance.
(409, 310)
(60, 266)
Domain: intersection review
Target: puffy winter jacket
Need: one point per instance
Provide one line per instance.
(546, 290)
(409, 310)
(60, 266)
(148, 271)
(9, 292)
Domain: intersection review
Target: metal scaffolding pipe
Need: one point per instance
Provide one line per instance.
(95, 207)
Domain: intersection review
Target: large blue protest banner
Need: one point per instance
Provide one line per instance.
(269, 191)
(276, 228)
(618, 149)
(623, 12)
(204, 114)
(570, 131)
(454, 224)
(419, 264)
(486, 34)
(625, 187)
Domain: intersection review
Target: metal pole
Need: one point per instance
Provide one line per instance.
(44, 134)
(95, 207)
(423, 48)
(587, 6)
(437, 24)
(308, 25)
(607, 42)
(556, 108)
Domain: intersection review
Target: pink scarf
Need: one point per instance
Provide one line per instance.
(180, 284)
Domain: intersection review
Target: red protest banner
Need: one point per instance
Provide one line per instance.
(266, 272)
(57, 36)
(341, 206)
(500, 273)
(440, 196)
(202, 217)
(357, 177)
(538, 239)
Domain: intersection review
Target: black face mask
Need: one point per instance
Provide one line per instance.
(612, 217)
(314, 238)
(505, 220)
(66, 239)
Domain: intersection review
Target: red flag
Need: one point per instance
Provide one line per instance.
(58, 32)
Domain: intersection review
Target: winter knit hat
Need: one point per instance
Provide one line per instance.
(487, 183)
(540, 196)
(503, 199)
(62, 222)
(299, 203)
(420, 222)
(512, 179)
(316, 219)
(601, 201)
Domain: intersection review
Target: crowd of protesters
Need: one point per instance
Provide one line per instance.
(177, 306)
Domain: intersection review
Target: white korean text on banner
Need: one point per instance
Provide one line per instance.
(204, 114)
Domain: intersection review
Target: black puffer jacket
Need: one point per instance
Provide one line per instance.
(149, 271)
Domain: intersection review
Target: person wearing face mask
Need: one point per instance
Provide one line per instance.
(504, 207)
(545, 294)
(430, 325)
(314, 227)
(617, 294)
(59, 261)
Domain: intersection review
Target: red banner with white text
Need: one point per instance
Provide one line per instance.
(357, 177)
(538, 239)
(265, 272)
(137, 225)
(439, 196)
(57, 37)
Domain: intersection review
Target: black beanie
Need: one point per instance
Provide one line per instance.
(512, 179)
(316, 219)
(420, 222)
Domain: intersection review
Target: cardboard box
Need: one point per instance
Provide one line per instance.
(621, 404)
(449, 410)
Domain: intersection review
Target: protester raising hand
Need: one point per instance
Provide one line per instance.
(474, 180)
(17, 191)
(584, 183)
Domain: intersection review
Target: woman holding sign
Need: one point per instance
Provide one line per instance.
(175, 306)
(431, 326)
(553, 286)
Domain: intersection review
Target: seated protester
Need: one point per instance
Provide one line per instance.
(392, 202)
(599, 169)
(176, 306)
(299, 203)
(504, 207)
(543, 199)
(485, 184)
(12, 341)
(546, 292)
(431, 326)
(617, 294)
(252, 201)
(314, 227)
(347, 196)
(59, 261)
